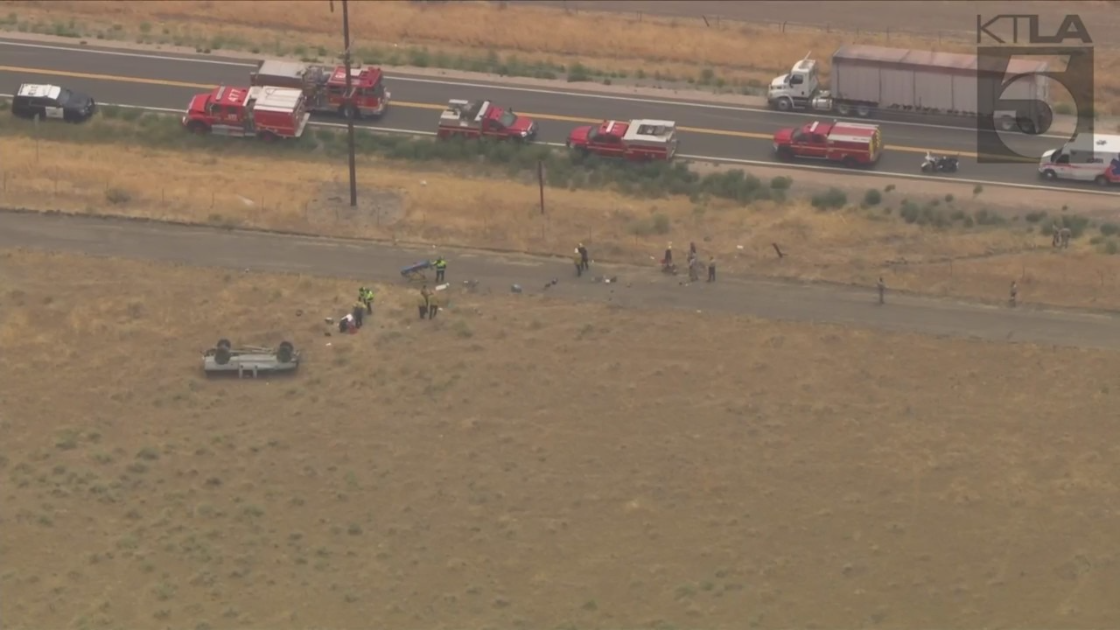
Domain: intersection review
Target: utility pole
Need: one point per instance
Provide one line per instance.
(349, 108)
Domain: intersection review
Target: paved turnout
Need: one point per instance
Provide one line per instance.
(721, 132)
(639, 287)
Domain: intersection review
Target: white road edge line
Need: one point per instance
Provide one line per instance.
(89, 51)
(513, 88)
(705, 158)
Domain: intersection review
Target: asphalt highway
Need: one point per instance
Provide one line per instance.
(708, 131)
(638, 287)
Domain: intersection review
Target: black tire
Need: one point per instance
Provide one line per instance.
(197, 127)
(849, 161)
(783, 104)
(1049, 175)
(1101, 181)
(224, 343)
(785, 154)
(268, 136)
(285, 351)
(221, 356)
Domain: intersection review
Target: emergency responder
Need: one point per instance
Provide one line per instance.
(584, 260)
(692, 250)
(712, 269)
(359, 313)
(578, 260)
(433, 305)
(668, 260)
(441, 269)
(425, 303)
(365, 296)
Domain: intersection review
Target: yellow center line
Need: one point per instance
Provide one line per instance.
(440, 107)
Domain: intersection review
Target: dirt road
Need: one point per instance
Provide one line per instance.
(638, 287)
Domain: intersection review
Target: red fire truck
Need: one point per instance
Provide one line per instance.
(638, 140)
(266, 112)
(851, 144)
(483, 119)
(325, 86)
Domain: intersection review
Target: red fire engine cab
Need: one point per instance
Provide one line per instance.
(638, 140)
(483, 119)
(325, 86)
(851, 144)
(266, 112)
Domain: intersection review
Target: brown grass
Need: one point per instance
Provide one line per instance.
(439, 475)
(418, 205)
(735, 51)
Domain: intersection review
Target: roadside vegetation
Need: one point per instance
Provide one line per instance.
(544, 43)
(135, 164)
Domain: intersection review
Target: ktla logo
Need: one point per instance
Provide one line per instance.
(1016, 81)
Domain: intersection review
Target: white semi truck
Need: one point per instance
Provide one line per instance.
(867, 80)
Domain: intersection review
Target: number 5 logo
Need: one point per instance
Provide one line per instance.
(1013, 95)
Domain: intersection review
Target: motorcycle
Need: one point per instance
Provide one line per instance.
(940, 163)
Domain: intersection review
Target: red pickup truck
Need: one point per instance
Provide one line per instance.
(483, 119)
(638, 140)
(851, 144)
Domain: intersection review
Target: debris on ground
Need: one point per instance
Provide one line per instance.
(551, 283)
(515, 288)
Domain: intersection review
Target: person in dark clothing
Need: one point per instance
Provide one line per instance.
(584, 259)
(359, 314)
(881, 287)
(668, 261)
(424, 305)
(712, 269)
(692, 249)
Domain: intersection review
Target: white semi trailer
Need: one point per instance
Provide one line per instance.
(867, 80)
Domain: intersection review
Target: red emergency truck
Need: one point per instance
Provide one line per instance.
(638, 140)
(268, 113)
(851, 144)
(325, 86)
(483, 119)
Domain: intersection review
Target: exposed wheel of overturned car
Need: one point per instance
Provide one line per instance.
(285, 351)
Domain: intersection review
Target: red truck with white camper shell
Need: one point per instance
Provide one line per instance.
(268, 113)
(483, 119)
(851, 144)
(325, 86)
(637, 140)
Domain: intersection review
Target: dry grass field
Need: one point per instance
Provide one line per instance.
(673, 48)
(408, 203)
(525, 463)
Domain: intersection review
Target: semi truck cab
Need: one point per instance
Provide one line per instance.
(800, 88)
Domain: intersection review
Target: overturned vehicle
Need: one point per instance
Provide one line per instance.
(252, 361)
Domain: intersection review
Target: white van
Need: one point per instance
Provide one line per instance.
(1086, 158)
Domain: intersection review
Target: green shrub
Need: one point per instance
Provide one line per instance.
(1035, 217)
(117, 196)
(781, 183)
(1109, 229)
(872, 197)
(830, 199)
(1111, 248)
(909, 211)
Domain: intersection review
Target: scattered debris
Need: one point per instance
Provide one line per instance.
(515, 288)
(299, 312)
(470, 285)
(551, 283)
